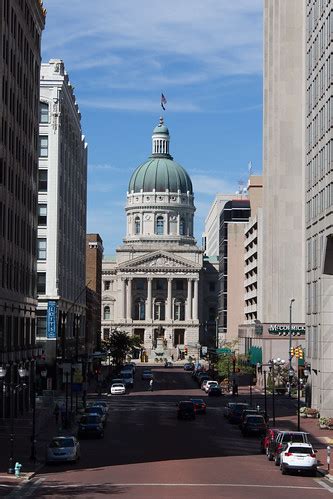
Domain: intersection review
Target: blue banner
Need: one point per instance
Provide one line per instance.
(52, 313)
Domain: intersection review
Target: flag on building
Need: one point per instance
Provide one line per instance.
(163, 102)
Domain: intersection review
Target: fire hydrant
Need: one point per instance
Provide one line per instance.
(17, 468)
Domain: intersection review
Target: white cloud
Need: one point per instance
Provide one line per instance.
(211, 185)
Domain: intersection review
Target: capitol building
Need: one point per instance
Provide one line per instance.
(158, 286)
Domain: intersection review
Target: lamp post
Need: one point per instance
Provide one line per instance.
(271, 368)
(265, 392)
(290, 343)
(33, 405)
(216, 332)
(12, 392)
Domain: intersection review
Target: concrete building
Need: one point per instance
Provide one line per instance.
(233, 218)
(283, 152)
(21, 25)
(212, 223)
(61, 242)
(319, 201)
(152, 288)
(94, 257)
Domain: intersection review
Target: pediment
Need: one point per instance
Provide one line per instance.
(159, 260)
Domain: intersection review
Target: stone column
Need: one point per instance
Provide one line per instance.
(189, 300)
(195, 299)
(129, 299)
(149, 298)
(122, 297)
(169, 300)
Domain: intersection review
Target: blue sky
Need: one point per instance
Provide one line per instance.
(205, 56)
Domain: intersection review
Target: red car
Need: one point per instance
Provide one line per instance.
(199, 406)
(270, 435)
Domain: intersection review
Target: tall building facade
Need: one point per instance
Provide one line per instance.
(21, 25)
(319, 201)
(283, 153)
(234, 216)
(94, 257)
(152, 289)
(61, 241)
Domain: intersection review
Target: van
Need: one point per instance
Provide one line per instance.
(128, 377)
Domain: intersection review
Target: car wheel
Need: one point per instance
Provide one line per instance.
(283, 470)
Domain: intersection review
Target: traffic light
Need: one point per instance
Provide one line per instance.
(296, 352)
(292, 351)
(301, 353)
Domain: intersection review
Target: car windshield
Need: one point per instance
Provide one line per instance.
(293, 437)
(90, 419)
(300, 450)
(117, 385)
(197, 401)
(61, 442)
(238, 408)
(146, 372)
(254, 419)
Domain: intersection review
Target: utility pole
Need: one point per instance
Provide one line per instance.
(290, 344)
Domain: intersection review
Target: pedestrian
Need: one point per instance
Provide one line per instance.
(151, 383)
(56, 413)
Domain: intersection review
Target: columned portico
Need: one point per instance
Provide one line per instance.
(129, 299)
(169, 300)
(189, 300)
(149, 299)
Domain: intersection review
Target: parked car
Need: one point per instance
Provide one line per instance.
(130, 366)
(228, 408)
(90, 424)
(236, 412)
(62, 449)
(271, 434)
(253, 424)
(102, 403)
(199, 406)
(254, 412)
(118, 389)
(201, 377)
(204, 383)
(189, 366)
(210, 384)
(185, 410)
(117, 380)
(147, 375)
(298, 457)
(277, 445)
(214, 391)
(97, 410)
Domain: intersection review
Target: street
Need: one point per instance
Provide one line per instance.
(148, 453)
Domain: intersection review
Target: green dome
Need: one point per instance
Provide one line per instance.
(161, 174)
(161, 129)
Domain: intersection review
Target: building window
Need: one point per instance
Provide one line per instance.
(107, 313)
(41, 248)
(182, 227)
(43, 146)
(41, 323)
(107, 285)
(212, 287)
(179, 310)
(41, 283)
(137, 225)
(42, 180)
(159, 310)
(42, 214)
(140, 310)
(44, 112)
(159, 230)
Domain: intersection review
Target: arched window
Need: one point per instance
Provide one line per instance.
(137, 225)
(159, 310)
(44, 112)
(107, 313)
(179, 310)
(139, 310)
(159, 226)
(182, 227)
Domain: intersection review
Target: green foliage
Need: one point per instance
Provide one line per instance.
(119, 345)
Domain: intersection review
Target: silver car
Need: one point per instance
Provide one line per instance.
(62, 449)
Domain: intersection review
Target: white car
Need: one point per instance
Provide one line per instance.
(209, 384)
(298, 457)
(118, 389)
(63, 449)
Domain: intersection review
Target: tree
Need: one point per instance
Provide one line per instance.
(119, 345)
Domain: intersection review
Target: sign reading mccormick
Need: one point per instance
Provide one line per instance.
(52, 313)
(284, 330)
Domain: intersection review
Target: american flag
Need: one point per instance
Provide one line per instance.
(163, 101)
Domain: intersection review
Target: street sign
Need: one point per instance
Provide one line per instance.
(222, 351)
(51, 332)
(204, 350)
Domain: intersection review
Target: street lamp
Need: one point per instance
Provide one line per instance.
(290, 338)
(12, 391)
(271, 368)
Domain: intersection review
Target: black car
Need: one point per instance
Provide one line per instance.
(236, 412)
(90, 425)
(185, 410)
(254, 425)
(253, 412)
(214, 391)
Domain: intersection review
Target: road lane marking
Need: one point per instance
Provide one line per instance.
(325, 485)
(26, 489)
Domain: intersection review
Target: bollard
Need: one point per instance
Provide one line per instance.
(17, 468)
(328, 458)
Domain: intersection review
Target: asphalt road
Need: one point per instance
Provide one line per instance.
(147, 453)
